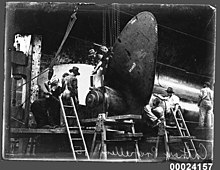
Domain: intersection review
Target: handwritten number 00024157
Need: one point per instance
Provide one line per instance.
(190, 166)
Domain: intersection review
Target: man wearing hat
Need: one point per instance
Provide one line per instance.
(70, 84)
(171, 100)
(92, 53)
(53, 87)
(205, 104)
(93, 57)
(103, 57)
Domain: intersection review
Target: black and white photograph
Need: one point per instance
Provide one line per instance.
(110, 82)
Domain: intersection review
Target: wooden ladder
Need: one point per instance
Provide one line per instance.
(184, 132)
(77, 141)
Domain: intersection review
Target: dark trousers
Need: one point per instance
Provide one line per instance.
(46, 111)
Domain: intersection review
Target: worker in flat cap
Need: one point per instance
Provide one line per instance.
(205, 104)
(53, 87)
(171, 101)
(92, 52)
(103, 56)
(93, 56)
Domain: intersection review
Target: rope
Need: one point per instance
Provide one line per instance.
(118, 20)
(115, 22)
(31, 79)
(190, 35)
(110, 30)
(70, 36)
(104, 27)
(203, 140)
(18, 120)
(112, 25)
(209, 21)
(177, 68)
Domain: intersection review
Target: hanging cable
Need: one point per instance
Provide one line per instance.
(113, 22)
(118, 21)
(183, 70)
(193, 36)
(112, 25)
(213, 15)
(104, 27)
(110, 28)
(166, 27)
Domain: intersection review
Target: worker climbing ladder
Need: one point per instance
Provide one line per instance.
(184, 132)
(77, 141)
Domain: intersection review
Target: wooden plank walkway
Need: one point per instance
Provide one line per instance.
(45, 131)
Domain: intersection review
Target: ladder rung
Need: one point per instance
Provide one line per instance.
(67, 106)
(183, 128)
(171, 127)
(74, 127)
(80, 151)
(186, 138)
(179, 119)
(71, 116)
(191, 149)
(76, 138)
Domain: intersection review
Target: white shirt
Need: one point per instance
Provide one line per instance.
(206, 94)
(171, 101)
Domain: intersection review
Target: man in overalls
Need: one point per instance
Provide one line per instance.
(205, 105)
